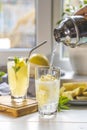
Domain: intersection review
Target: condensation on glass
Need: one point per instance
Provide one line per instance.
(17, 23)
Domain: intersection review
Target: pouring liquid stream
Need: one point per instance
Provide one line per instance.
(53, 54)
(52, 57)
(52, 60)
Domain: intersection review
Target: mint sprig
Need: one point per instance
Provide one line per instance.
(16, 61)
(63, 103)
(16, 69)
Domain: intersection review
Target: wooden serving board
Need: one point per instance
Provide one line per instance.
(7, 107)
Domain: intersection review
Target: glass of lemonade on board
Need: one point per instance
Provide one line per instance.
(47, 82)
(18, 78)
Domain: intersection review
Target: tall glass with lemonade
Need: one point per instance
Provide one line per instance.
(47, 82)
(18, 78)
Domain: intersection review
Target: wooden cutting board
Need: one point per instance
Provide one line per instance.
(7, 107)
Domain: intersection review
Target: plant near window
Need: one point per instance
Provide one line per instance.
(71, 9)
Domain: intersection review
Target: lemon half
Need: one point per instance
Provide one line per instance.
(37, 60)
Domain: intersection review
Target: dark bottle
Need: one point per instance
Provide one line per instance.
(72, 31)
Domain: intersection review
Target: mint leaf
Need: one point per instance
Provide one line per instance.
(16, 60)
(16, 67)
(63, 103)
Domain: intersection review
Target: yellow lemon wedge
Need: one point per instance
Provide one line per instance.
(37, 60)
(21, 63)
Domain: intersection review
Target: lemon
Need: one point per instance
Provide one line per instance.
(42, 95)
(39, 59)
(42, 98)
(21, 63)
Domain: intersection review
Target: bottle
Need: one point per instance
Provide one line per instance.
(72, 31)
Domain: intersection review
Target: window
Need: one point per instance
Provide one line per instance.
(17, 24)
(24, 37)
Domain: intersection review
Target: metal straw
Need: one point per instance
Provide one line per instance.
(36, 48)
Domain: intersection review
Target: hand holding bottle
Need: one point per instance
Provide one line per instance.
(82, 11)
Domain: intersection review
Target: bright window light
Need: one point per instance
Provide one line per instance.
(4, 43)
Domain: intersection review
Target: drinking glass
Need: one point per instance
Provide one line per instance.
(47, 82)
(18, 78)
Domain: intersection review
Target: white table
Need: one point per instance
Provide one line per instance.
(73, 119)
